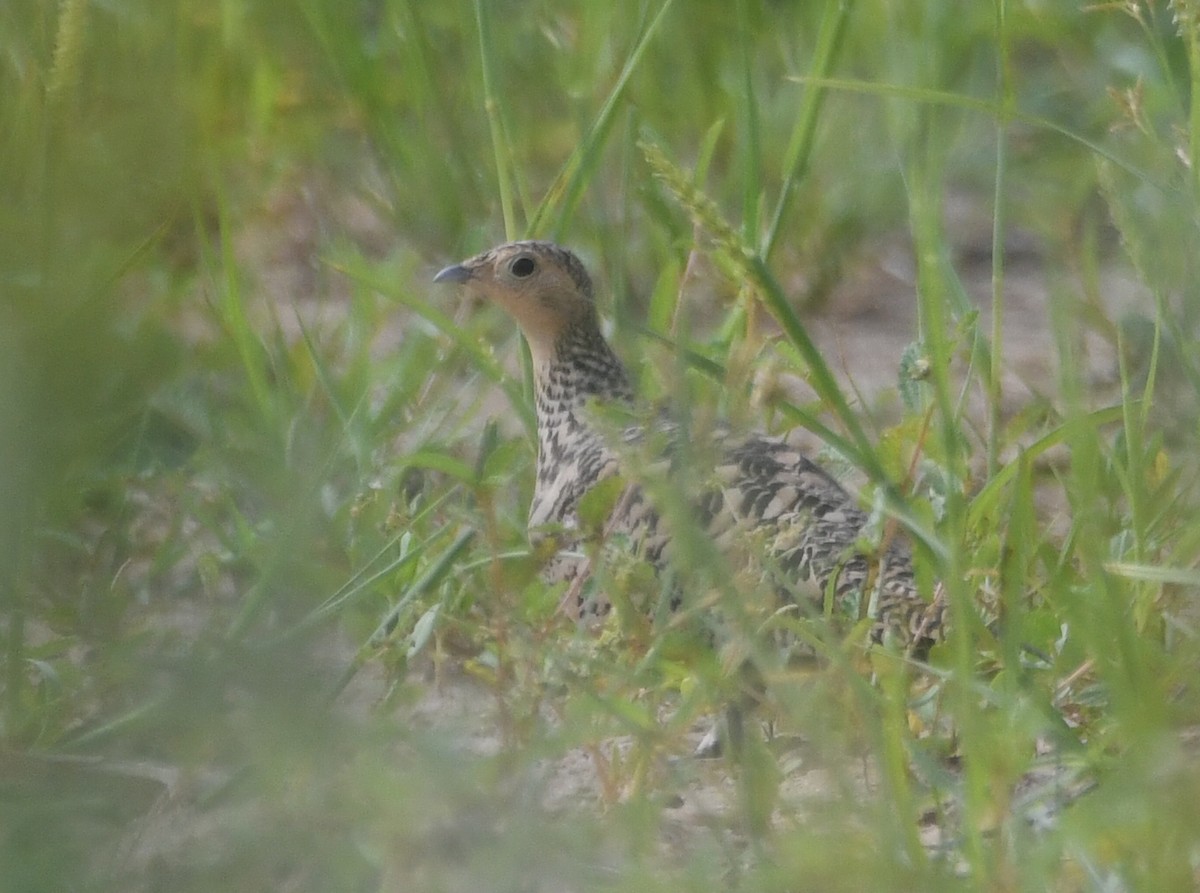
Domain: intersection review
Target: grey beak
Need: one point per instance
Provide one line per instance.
(456, 273)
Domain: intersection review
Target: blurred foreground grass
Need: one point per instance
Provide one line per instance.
(241, 437)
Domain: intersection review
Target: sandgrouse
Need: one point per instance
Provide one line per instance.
(811, 524)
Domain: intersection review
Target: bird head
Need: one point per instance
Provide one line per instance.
(543, 286)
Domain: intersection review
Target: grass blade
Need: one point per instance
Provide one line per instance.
(572, 178)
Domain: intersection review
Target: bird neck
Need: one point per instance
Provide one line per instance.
(581, 367)
(572, 454)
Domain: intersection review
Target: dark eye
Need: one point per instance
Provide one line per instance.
(523, 266)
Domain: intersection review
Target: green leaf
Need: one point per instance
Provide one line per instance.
(914, 370)
(423, 631)
(598, 503)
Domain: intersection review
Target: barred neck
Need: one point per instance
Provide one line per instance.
(583, 367)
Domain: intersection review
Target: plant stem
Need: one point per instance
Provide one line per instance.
(829, 40)
(491, 104)
(995, 388)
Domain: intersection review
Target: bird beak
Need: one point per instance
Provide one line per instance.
(456, 273)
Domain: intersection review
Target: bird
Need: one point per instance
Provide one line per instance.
(810, 527)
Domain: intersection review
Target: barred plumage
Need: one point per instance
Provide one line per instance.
(812, 524)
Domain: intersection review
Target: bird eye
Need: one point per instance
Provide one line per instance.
(523, 266)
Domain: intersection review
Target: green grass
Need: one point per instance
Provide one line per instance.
(263, 486)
